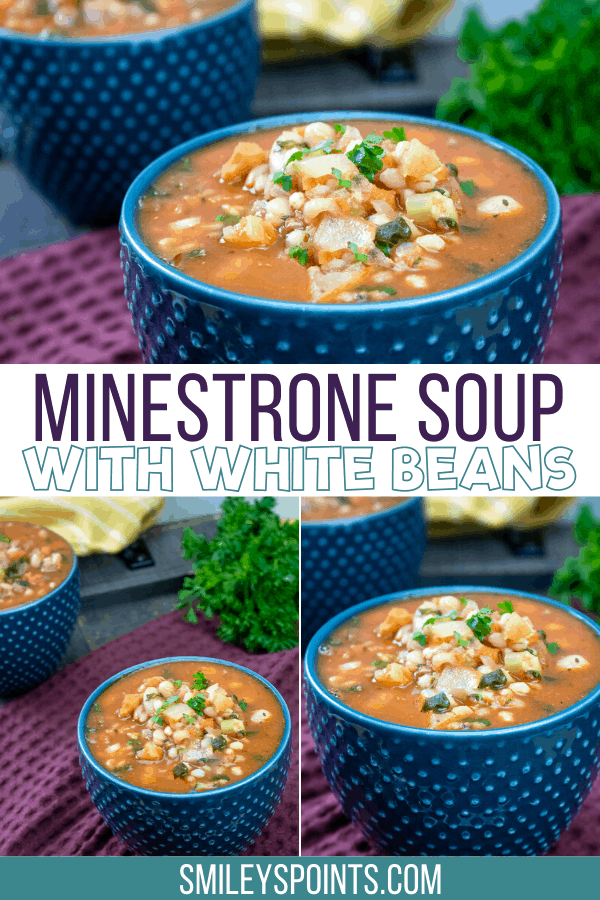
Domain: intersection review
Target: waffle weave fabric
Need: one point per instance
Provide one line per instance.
(45, 809)
(65, 304)
(327, 832)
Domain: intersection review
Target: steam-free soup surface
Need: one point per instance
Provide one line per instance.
(343, 212)
(185, 727)
(33, 562)
(461, 663)
(97, 18)
(315, 509)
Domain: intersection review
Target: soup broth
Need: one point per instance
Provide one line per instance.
(315, 509)
(348, 212)
(33, 562)
(187, 727)
(461, 663)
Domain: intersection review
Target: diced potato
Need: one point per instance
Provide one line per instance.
(324, 287)
(244, 158)
(417, 161)
(334, 233)
(130, 702)
(314, 170)
(250, 231)
(442, 631)
(515, 628)
(458, 681)
(176, 712)
(397, 617)
(150, 751)
(393, 673)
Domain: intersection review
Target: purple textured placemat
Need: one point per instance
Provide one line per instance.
(65, 304)
(326, 831)
(45, 809)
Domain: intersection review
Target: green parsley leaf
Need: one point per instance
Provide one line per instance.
(136, 744)
(366, 156)
(505, 606)
(243, 705)
(197, 703)
(157, 719)
(468, 187)
(228, 219)
(340, 129)
(463, 601)
(200, 681)
(384, 288)
(452, 169)
(552, 648)
(359, 257)
(481, 623)
(299, 253)
(379, 663)
(396, 134)
(460, 641)
(420, 638)
(343, 182)
(4, 538)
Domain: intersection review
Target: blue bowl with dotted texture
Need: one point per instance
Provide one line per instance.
(86, 115)
(504, 317)
(345, 561)
(223, 822)
(411, 791)
(34, 637)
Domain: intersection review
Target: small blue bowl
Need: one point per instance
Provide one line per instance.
(411, 791)
(34, 637)
(504, 317)
(85, 115)
(222, 822)
(345, 561)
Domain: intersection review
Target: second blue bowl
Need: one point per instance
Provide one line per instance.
(504, 317)
(223, 822)
(414, 791)
(34, 636)
(348, 560)
(85, 115)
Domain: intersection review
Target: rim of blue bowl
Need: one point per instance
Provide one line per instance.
(23, 606)
(346, 521)
(173, 279)
(134, 37)
(144, 792)
(394, 729)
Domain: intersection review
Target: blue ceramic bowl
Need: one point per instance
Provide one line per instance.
(34, 637)
(345, 561)
(411, 791)
(222, 822)
(86, 115)
(504, 317)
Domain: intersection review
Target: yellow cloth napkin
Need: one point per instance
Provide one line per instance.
(89, 524)
(454, 516)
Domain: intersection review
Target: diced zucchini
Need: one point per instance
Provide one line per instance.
(231, 725)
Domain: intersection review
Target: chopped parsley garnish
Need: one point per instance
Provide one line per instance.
(228, 219)
(467, 187)
(384, 288)
(188, 719)
(552, 648)
(437, 703)
(463, 601)
(243, 705)
(136, 744)
(96, 707)
(177, 684)
(200, 681)
(420, 638)
(340, 129)
(197, 703)
(284, 180)
(180, 770)
(477, 720)
(396, 134)
(343, 182)
(481, 623)
(460, 641)
(4, 538)
(299, 253)
(379, 663)
(366, 156)
(493, 680)
(452, 169)
(157, 719)
(416, 261)
(392, 233)
(505, 606)
(359, 257)
(120, 769)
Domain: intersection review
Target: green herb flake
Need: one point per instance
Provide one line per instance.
(228, 219)
(367, 156)
(299, 253)
(481, 623)
(197, 253)
(448, 224)
(197, 703)
(243, 705)
(154, 191)
(379, 663)
(359, 257)
(437, 703)
(468, 187)
(200, 681)
(552, 648)
(460, 641)
(505, 606)
(342, 182)
(452, 169)
(135, 744)
(285, 180)
(384, 288)
(340, 129)
(157, 719)
(420, 638)
(396, 134)
(4, 538)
